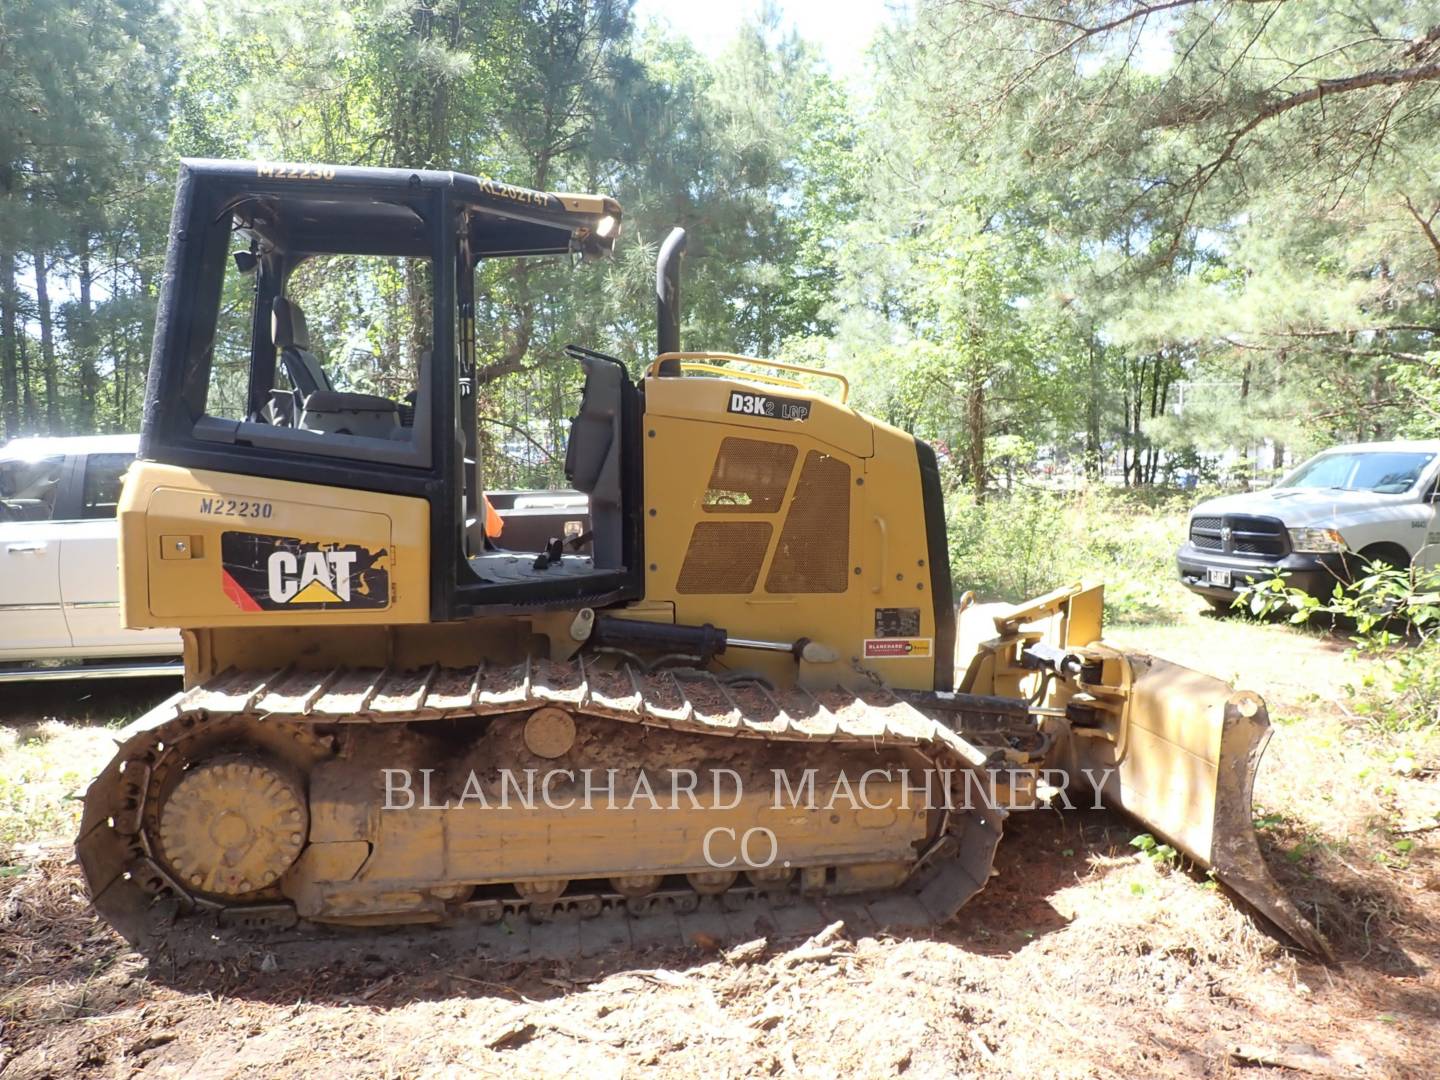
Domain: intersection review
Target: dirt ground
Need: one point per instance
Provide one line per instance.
(1083, 958)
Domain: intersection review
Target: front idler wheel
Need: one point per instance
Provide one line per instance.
(233, 825)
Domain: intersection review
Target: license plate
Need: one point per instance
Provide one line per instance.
(1218, 577)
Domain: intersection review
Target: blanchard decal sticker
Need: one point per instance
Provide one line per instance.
(278, 573)
(897, 621)
(900, 648)
(768, 405)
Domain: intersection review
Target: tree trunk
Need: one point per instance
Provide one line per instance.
(85, 346)
(1245, 394)
(117, 354)
(1092, 417)
(1159, 382)
(1128, 441)
(28, 418)
(9, 385)
(47, 345)
(1159, 410)
(1377, 394)
(975, 421)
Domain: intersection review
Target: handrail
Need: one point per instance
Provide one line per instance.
(704, 357)
(755, 376)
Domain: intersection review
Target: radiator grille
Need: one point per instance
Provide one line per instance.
(724, 557)
(813, 555)
(1205, 533)
(1258, 535)
(1240, 534)
(750, 477)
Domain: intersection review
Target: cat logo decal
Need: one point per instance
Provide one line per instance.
(275, 573)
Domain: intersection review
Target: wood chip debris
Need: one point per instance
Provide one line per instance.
(749, 952)
(513, 1031)
(822, 946)
(1299, 1060)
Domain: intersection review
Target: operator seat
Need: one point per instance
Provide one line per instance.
(292, 344)
(322, 408)
(592, 457)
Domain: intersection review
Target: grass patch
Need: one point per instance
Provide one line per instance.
(54, 739)
(43, 768)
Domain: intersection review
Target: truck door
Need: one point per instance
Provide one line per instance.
(89, 567)
(32, 624)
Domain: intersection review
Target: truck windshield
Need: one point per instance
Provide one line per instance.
(1381, 471)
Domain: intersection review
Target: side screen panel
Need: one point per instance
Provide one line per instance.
(202, 549)
(780, 523)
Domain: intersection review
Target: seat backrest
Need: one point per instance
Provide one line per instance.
(592, 458)
(593, 431)
(292, 338)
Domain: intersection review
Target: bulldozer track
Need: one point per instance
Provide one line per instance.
(134, 891)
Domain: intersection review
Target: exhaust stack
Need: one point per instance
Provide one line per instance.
(667, 298)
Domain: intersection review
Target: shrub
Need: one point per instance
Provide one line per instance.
(1396, 615)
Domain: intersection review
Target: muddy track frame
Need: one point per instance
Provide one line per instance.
(294, 711)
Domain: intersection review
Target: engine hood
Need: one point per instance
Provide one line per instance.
(1299, 507)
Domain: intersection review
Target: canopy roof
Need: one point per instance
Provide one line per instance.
(348, 208)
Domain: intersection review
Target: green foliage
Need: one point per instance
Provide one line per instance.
(1207, 223)
(1023, 248)
(1417, 388)
(1011, 547)
(1395, 614)
(753, 152)
(1161, 855)
(83, 95)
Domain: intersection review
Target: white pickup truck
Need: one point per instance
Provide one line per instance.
(59, 572)
(1367, 502)
(59, 580)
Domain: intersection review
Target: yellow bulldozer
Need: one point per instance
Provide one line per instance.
(718, 683)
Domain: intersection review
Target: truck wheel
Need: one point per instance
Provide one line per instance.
(1375, 558)
(1378, 557)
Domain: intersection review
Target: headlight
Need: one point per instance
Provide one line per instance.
(1316, 540)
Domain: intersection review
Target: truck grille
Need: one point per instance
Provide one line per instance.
(1241, 534)
(1205, 533)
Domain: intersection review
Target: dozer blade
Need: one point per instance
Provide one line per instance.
(1176, 749)
(1184, 766)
